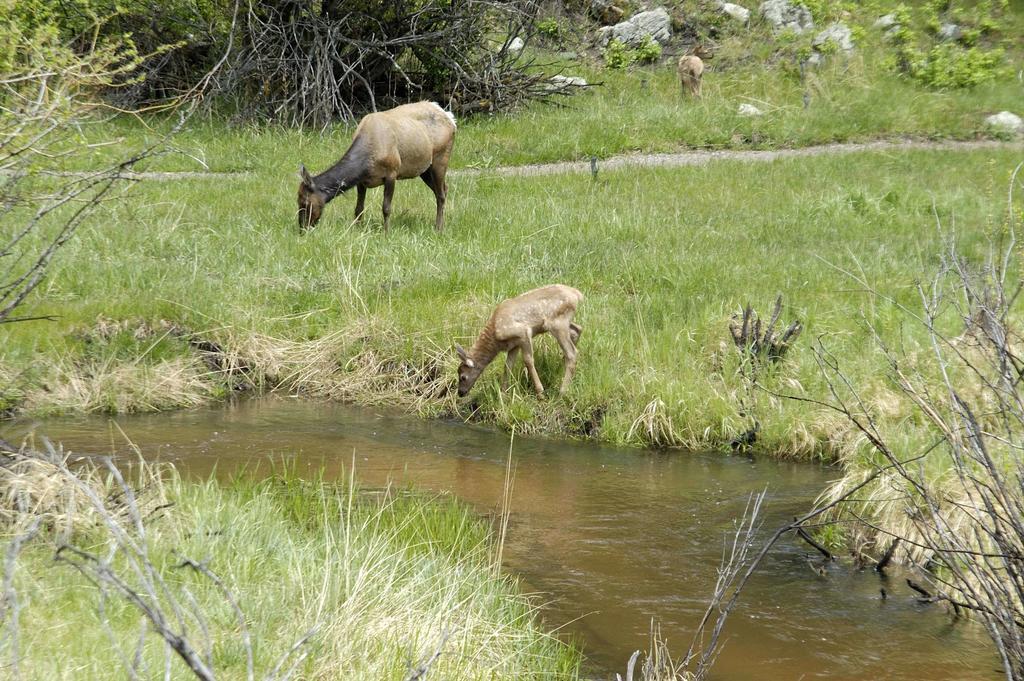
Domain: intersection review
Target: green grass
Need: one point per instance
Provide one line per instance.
(855, 99)
(662, 256)
(382, 578)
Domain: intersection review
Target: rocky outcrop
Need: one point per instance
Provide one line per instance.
(782, 15)
(840, 34)
(655, 24)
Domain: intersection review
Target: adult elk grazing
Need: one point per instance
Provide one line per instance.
(412, 140)
(691, 70)
(511, 329)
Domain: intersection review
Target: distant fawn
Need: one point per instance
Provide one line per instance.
(691, 70)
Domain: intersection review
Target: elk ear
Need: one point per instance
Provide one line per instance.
(306, 178)
(465, 357)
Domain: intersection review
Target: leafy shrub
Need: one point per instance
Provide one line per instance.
(310, 62)
(648, 52)
(617, 55)
(956, 64)
(950, 66)
(549, 28)
(828, 47)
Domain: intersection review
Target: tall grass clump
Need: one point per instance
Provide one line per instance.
(254, 578)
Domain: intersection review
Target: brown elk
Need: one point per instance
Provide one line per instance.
(691, 70)
(412, 140)
(511, 329)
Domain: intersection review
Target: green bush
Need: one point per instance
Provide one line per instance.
(967, 62)
(648, 52)
(617, 55)
(951, 66)
(549, 28)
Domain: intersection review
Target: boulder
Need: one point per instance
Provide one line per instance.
(516, 46)
(559, 83)
(782, 15)
(737, 12)
(656, 24)
(949, 32)
(1006, 122)
(749, 110)
(840, 34)
(885, 22)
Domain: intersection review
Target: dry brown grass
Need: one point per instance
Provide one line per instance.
(61, 490)
(348, 365)
(115, 387)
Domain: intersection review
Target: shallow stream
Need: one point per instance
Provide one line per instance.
(609, 538)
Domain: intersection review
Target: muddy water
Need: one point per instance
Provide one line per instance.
(611, 538)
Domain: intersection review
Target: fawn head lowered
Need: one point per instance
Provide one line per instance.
(469, 371)
(311, 201)
(511, 328)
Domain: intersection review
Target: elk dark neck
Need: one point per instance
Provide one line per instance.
(486, 347)
(346, 173)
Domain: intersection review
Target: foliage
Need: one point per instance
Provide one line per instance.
(950, 66)
(316, 62)
(973, 58)
(48, 93)
(648, 51)
(617, 55)
(549, 28)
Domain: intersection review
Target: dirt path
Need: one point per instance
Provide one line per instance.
(668, 160)
(699, 158)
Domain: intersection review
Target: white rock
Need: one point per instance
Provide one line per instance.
(840, 34)
(737, 12)
(1005, 121)
(516, 46)
(749, 110)
(656, 24)
(950, 32)
(781, 14)
(560, 82)
(885, 22)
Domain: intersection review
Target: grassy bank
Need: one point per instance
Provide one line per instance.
(200, 287)
(379, 580)
(640, 110)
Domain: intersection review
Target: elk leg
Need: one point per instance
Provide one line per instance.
(435, 180)
(389, 192)
(696, 87)
(440, 193)
(527, 349)
(575, 331)
(564, 338)
(510, 361)
(360, 201)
